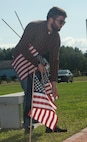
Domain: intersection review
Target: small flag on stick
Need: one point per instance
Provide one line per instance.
(43, 109)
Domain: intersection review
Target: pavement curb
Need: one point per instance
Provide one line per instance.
(78, 137)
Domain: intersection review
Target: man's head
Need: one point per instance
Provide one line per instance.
(56, 16)
(55, 12)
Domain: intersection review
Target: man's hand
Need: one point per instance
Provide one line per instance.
(54, 90)
(41, 68)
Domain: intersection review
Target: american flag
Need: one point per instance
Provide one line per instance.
(43, 108)
(22, 66)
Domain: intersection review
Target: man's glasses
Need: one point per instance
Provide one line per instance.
(61, 22)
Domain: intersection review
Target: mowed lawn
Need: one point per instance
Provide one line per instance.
(72, 112)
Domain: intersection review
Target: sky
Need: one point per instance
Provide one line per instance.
(73, 33)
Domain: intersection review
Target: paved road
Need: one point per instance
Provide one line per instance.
(79, 137)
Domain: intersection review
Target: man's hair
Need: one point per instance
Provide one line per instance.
(56, 11)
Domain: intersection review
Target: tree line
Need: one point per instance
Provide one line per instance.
(73, 59)
(70, 58)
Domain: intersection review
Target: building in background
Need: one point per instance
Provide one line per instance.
(7, 72)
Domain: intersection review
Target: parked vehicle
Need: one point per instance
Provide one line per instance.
(65, 76)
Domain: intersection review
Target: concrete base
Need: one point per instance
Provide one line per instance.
(10, 110)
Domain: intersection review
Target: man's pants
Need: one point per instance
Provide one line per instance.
(27, 88)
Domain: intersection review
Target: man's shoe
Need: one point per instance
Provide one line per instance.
(27, 130)
(56, 130)
(34, 121)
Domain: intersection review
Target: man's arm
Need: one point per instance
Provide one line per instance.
(54, 90)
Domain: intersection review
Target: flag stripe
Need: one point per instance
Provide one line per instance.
(45, 117)
(50, 118)
(54, 122)
(41, 101)
(22, 66)
(33, 51)
(42, 115)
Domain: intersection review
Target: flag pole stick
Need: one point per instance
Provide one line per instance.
(32, 106)
(19, 20)
(11, 28)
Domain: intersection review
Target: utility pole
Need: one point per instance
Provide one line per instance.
(86, 27)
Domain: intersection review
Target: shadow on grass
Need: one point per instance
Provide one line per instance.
(19, 136)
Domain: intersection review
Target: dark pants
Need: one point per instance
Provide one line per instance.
(27, 88)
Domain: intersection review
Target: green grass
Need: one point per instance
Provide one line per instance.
(72, 114)
(11, 87)
(80, 78)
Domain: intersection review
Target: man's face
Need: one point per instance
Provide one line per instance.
(57, 23)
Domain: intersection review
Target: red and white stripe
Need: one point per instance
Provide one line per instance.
(22, 66)
(33, 51)
(40, 100)
(44, 110)
(48, 88)
(46, 117)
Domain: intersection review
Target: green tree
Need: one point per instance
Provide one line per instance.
(72, 59)
(6, 54)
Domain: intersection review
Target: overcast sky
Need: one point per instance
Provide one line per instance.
(72, 34)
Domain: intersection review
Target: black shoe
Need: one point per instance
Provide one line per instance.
(56, 130)
(34, 121)
(27, 130)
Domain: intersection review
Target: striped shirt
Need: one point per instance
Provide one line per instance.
(47, 44)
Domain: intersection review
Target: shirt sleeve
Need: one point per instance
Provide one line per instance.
(54, 61)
